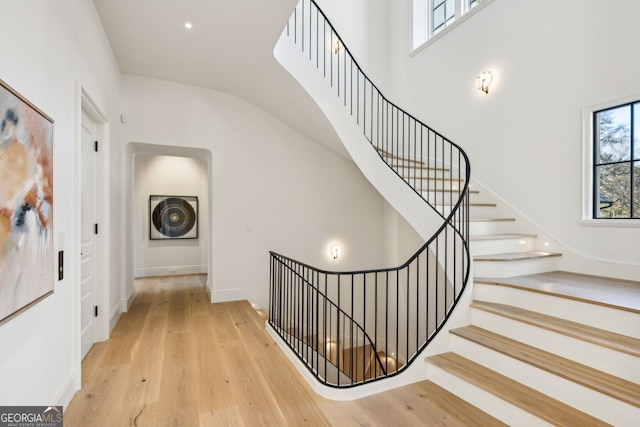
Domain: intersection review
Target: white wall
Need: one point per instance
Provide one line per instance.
(49, 46)
(171, 176)
(402, 240)
(271, 188)
(524, 138)
(363, 26)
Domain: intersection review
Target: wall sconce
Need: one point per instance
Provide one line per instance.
(484, 81)
(335, 250)
(337, 46)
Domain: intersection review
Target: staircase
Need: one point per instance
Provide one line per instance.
(539, 349)
(543, 346)
(352, 328)
(499, 248)
(355, 364)
(553, 347)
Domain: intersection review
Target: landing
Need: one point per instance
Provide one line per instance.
(621, 294)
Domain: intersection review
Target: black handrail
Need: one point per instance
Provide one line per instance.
(400, 309)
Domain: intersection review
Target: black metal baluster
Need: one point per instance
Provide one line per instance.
(293, 291)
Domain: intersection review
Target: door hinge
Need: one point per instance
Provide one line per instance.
(95, 229)
(95, 147)
(95, 311)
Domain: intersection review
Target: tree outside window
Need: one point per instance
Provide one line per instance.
(617, 162)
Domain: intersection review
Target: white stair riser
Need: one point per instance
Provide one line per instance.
(597, 316)
(478, 211)
(482, 211)
(408, 171)
(431, 184)
(580, 397)
(485, 401)
(486, 247)
(602, 358)
(515, 268)
(491, 227)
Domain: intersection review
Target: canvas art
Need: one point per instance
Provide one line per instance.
(173, 217)
(26, 204)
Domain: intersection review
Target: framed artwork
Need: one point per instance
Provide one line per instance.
(173, 217)
(26, 204)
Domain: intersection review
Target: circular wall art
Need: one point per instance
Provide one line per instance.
(173, 217)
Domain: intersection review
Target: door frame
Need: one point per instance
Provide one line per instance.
(83, 102)
(130, 151)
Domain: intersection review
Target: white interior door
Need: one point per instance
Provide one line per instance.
(88, 235)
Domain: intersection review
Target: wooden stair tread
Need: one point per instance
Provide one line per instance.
(481, 237)
(604, 291)
(491, 219)
(385, 153)
(472, 204)
(422, 395)
(433, 178)
(356, 361)
(447, 190)
(418, 166)
(604, 383)
(612, 340)
(516, 256)
(483, 205)
(526, 398)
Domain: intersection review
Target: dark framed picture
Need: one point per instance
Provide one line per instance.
(26, 204)
(173, 217)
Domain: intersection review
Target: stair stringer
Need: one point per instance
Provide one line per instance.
(396, 192)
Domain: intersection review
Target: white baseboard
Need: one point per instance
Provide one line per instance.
(68, 389)
(130, 297)
(170, 270)
(114, 316)
(233, 295)
(123, 307)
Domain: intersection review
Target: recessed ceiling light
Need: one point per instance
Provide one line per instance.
(188, 25)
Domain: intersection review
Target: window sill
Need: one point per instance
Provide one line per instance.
(621, 223)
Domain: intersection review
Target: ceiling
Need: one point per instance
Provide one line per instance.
(229, 48)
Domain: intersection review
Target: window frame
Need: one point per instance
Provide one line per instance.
(422, 33)
(589, 191)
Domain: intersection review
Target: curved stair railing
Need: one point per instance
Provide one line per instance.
(396, 311)
(321, 345)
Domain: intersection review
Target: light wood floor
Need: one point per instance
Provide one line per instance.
(608, 292)
(176, 360)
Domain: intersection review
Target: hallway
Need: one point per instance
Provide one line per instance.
(176, 360)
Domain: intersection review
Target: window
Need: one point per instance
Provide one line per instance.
(431, 17)
(616, 162)
(443, 13)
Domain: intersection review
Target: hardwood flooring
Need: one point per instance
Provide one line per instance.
(176, 360)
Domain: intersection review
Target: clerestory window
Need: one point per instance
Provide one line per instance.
(432, 17)
(616, 162)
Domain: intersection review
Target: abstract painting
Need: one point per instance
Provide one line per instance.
(26, 204)
(173, 217)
